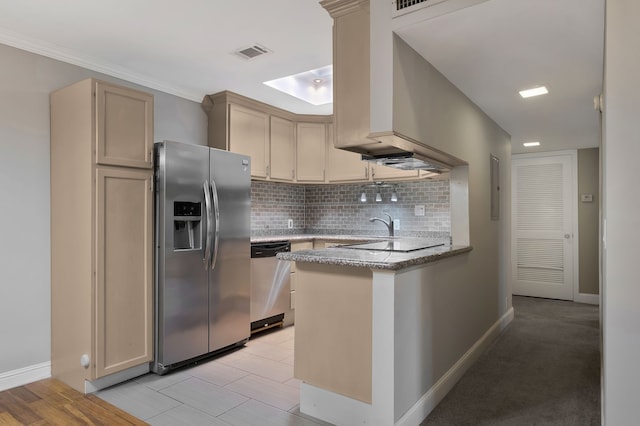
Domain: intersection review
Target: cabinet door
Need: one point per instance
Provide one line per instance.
(249, 135)
(383, 172)
(344, 165)
(125, 127)
(295, 246)
(310, 151)
(351, 76)
(282, 149)
(124, 250)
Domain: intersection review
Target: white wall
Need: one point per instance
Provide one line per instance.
(472, 298)
(621, 211)
(25, 83)
(429, 108)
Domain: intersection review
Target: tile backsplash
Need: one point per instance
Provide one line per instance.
(337, 209)
(273, 204)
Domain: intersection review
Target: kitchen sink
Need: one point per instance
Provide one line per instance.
(400, 245)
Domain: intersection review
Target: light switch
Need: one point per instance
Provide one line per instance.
(586, 198)
(418, 210)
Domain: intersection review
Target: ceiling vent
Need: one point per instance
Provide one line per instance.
(252, 51)
(402, 7)
(403, 4)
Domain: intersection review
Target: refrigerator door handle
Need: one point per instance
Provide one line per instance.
(207, 241)
(216, 233)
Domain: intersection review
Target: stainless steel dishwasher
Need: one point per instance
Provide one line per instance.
(270, 285)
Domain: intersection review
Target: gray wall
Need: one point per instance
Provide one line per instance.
(621, 204)
(25, 83)
(588, 220)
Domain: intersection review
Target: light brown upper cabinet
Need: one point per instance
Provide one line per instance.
(243, 125)
(125, 126)
(351, 77)
(287, 147)
(249, 135)
(344, 166)
(311, 140)
(283, 144)
(101, 231)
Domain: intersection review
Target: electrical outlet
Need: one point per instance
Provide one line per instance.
(290, 223)
(418, 210)
(396, 224)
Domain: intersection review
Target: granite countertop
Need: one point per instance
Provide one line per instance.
(374, 259)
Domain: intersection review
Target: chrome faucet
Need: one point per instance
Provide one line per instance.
(389, 223)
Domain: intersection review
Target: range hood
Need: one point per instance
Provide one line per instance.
(395, 150)
(406, 161)
(414, 124)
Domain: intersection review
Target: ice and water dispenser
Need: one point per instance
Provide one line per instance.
(187, 220)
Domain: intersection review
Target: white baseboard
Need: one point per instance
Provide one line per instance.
(592, 299)
(23, 376)
(421, 409)
(333, 408)
(33, 373)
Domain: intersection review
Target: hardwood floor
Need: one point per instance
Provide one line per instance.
(50, 402)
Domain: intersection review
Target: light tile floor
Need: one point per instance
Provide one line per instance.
(253, 385)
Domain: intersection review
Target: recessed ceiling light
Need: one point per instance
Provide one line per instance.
(536, 91)
(314, 87)
(530, 144)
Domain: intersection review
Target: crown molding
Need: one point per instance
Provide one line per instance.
(68, 56)
(337, 8)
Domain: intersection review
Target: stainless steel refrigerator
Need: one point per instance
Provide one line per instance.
(202, 252)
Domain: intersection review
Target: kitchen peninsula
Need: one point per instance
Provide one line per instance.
(366, 330)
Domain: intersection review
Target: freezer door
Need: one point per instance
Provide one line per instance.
(181, 235)
(230, 268)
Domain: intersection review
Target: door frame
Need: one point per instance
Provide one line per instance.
(573, 153)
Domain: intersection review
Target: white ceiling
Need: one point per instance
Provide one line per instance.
(494, 49)
(490, 51)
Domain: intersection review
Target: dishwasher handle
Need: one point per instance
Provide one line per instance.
(269, 249)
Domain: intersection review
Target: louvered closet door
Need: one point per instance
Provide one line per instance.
(542, 226)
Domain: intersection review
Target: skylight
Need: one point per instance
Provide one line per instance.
(314, 86)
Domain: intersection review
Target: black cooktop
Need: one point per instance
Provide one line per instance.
(401, 245)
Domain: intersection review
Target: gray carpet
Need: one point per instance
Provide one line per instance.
(543, 370)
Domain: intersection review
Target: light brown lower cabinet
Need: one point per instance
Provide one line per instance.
(297, 246)
(333, 334)
(124, 299)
